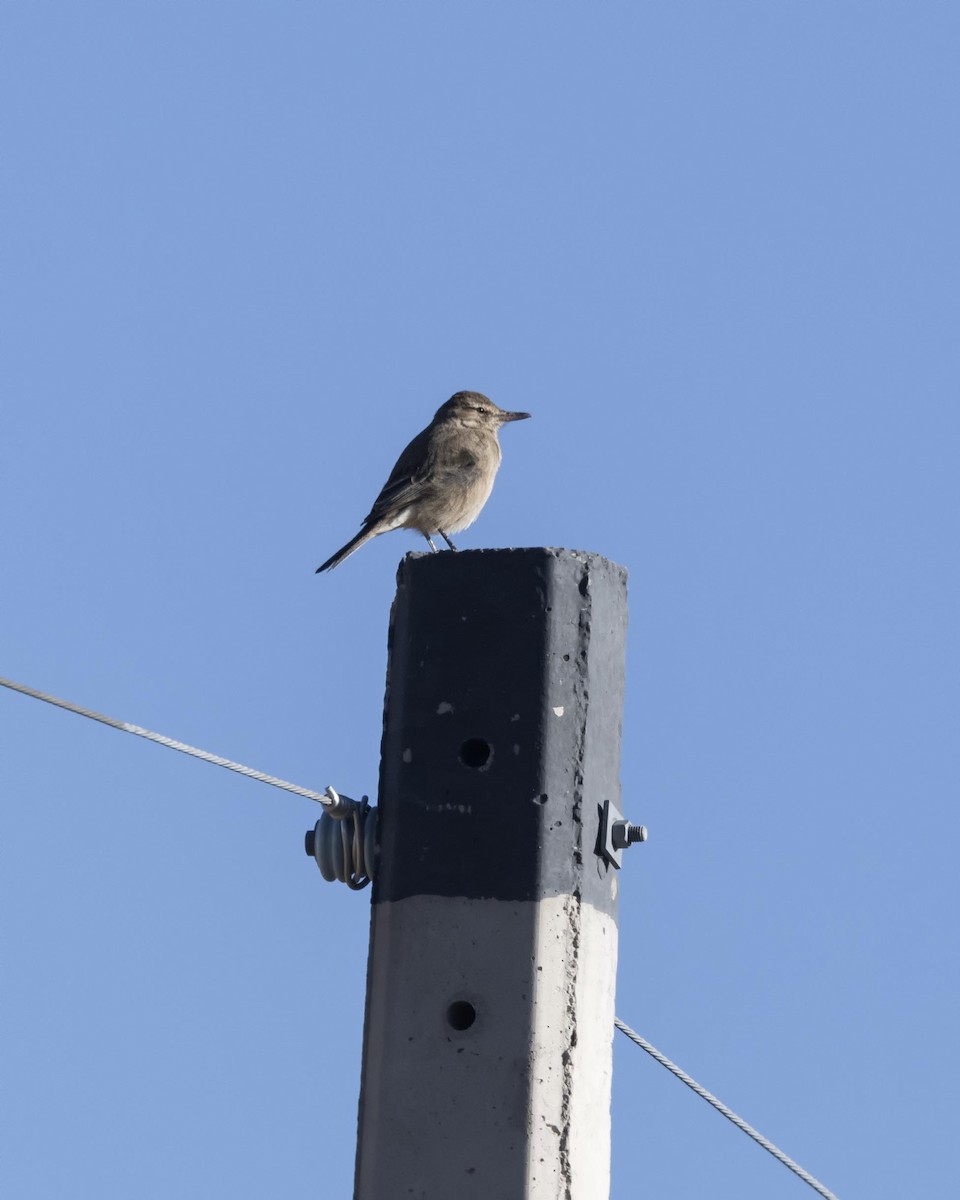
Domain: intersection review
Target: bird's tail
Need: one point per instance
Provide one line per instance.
(334, 560)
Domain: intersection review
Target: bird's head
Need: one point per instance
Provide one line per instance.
(473, 410)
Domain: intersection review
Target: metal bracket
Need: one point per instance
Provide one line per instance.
(616, 833)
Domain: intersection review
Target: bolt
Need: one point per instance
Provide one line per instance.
(310, 843)
(625, 834)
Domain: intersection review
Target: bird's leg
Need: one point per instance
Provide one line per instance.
(432, 546)
(446, 539)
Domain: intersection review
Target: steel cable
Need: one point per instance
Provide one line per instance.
(722, 1108)
(125, 727)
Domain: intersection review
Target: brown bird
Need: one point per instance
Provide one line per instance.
(443, 478)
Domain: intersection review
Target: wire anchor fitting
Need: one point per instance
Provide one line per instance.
(616, 834)
(343, 841)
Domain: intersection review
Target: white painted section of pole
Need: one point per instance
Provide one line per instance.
(524, 1093)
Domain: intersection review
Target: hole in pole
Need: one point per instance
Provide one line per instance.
(461, 1015)
(475, 753)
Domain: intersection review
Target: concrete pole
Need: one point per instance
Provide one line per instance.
(493, 943)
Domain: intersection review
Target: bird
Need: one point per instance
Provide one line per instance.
(442, 479)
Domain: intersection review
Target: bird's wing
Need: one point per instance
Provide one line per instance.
(406, 479)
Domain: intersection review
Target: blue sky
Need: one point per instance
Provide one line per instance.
(247, 250)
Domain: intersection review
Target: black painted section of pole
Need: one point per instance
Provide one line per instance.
(482, 756)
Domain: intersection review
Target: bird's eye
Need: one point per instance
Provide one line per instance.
(479, 408)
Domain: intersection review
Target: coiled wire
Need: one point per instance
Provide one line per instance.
(344, 847)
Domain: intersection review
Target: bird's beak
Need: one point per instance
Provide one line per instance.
(505, 417)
